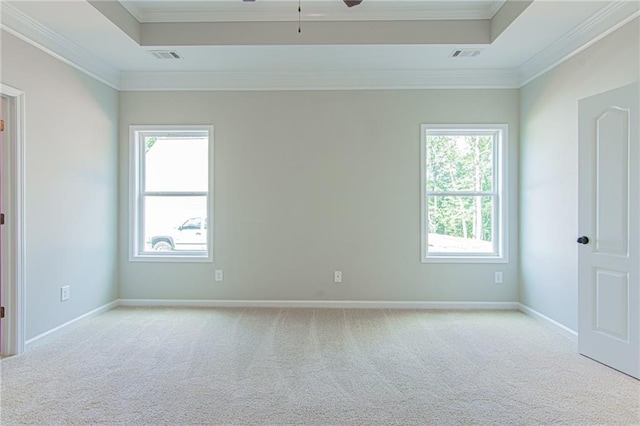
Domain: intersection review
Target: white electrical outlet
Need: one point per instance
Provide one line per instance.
(337, 276)
(65, 293)
(498, 278)
(219, 275)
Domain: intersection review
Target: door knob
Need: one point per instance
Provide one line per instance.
(583, 240)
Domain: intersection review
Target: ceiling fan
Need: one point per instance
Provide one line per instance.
(349, 3)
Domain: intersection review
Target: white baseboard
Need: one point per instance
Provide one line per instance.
(555, 325)
(93, 313)
(316, 304)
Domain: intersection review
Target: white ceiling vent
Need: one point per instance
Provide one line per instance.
(165, 54)
(465, 53)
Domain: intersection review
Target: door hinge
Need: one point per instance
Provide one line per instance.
(1, 125)
(1, 218)
(2, 312)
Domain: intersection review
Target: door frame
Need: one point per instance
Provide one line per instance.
(12, 241)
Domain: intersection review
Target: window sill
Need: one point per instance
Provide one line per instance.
(171, 258)
(465, 259)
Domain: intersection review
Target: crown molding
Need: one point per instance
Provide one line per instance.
(611, 17)
(31, 31)
(311, 11)
(316, 80)
(133, 8)
(608, 19)
(494, 8)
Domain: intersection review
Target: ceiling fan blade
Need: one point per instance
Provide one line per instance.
(349, 3)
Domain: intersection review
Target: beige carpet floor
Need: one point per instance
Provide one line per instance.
(311, 366)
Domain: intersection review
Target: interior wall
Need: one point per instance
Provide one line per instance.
(309, 182)
(549, 168)
(70, 185)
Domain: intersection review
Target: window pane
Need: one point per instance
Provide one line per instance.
(459, 163)
(175, 223)
(176, 163)
(460, 225)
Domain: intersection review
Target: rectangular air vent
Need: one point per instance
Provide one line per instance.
(465, 53)
(164, 54)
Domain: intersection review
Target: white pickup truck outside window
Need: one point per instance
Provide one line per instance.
(171, 193)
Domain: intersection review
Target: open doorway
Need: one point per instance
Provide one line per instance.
(4, 118)
(12, 326)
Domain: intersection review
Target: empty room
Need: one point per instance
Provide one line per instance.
(320, 212)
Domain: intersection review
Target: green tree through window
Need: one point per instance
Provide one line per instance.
(461, 189)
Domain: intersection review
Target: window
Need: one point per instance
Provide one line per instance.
(171, 193)
(463, 193)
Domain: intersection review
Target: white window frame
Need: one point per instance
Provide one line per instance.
(500, 205)
(136, 204)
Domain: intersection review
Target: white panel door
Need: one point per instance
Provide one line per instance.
(609, 223)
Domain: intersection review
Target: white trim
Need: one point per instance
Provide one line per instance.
(136, 207)
(312, 11)
(320, 80)
(494, 8)
(13, 247)
(339, 304)
(552, 324)
(611, 17)
(104, 308)
(16, 22)
(500, 194)
(133, 8)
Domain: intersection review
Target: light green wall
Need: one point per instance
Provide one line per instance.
(549, 169)
(70, 185)
(310, 182)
